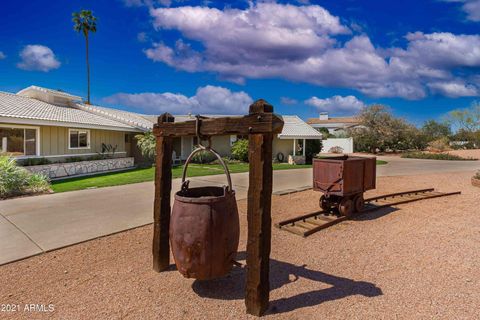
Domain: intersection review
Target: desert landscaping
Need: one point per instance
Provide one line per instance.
(417, 260)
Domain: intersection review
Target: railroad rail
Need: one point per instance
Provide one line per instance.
(311, 223)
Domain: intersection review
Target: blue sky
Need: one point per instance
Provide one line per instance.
(422, 58)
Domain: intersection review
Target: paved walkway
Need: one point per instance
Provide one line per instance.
(32, 225)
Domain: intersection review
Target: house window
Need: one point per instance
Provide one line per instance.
(18, 141)
(79, 139)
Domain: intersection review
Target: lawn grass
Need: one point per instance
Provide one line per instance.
(147, 174)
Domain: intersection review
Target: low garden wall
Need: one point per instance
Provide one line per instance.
(346, 144)
(60, 170)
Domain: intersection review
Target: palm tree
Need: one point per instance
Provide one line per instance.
(85, 22)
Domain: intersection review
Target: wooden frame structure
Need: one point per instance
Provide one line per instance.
(260, 125)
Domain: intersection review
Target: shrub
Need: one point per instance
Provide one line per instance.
(15, 180)
(433, 156)
(147, 144)
(203, 157)
(335, 149)
(240, 150)
(477, 175)
(312, 148)
(439, 145)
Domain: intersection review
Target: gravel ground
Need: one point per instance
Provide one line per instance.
(474, 153)
(417, 261)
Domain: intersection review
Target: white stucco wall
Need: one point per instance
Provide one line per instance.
(345, 143)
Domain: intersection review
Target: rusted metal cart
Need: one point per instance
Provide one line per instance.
(343, 180)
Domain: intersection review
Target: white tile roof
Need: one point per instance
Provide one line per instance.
(49, 91)
(137, 120)
(296, 128)
(20, 107)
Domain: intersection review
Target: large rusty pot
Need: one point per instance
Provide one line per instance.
(204, 227)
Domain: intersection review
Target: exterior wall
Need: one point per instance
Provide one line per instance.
(54, 141)
(187, 147)
(60, 170)
(221, 144)
(284, 146)
(345, 143)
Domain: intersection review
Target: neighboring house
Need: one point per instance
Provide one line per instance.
(294, 135)
(334, 125)
(43, 123)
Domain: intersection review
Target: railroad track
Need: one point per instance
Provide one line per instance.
(311, 223)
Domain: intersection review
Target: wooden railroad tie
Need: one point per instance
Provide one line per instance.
(311, 223)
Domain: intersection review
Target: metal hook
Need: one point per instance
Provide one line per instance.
(201, 137)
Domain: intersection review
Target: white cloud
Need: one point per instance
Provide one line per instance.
(454, 89)
(442, 50)
(38, 58)
(336, 104)
(470, 7)
(264, 31)
(207, 100)
(2, 55)
(298, 43)
(288, 101)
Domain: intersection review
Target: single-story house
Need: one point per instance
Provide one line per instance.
(294, 135)
(334, 125)
(50, 124)
(38, 122)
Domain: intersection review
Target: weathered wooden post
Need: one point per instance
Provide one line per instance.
(259, 215)
(260, 124)
(163, 187)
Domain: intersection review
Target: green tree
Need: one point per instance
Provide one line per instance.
(434, 130)
(325, 133)
(467, 119)
(379, 130)
(85, 22)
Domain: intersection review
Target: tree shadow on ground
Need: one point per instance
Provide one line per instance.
(232, 287)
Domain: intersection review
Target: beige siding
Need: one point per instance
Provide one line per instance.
(222, 145)
(54, 141)
(187, 146)
(284, 146)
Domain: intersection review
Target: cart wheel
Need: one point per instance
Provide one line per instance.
(324, 203)
(345, 207)
(359, 202)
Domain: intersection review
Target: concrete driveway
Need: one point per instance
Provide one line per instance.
(404, 167)
(32, 225)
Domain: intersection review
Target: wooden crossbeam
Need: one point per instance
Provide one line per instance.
(260, 122)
